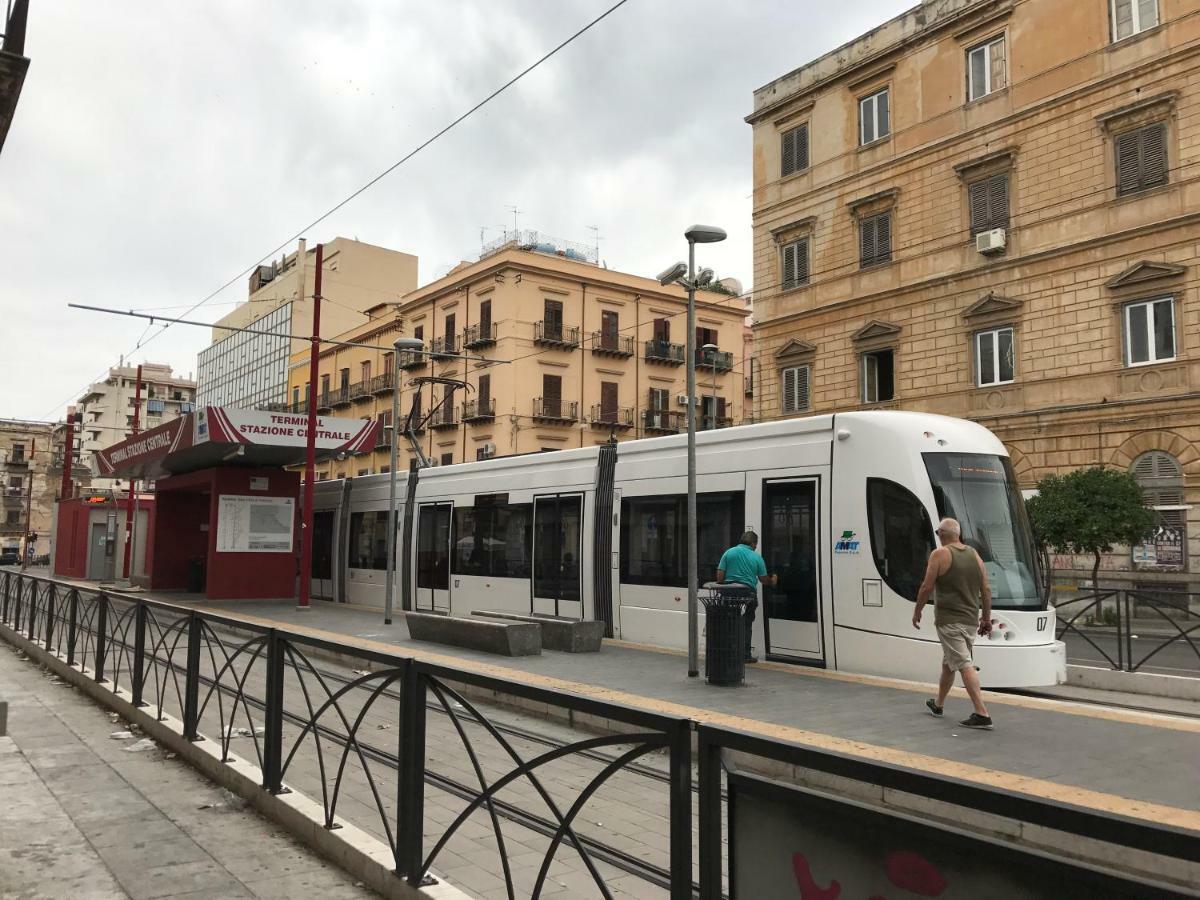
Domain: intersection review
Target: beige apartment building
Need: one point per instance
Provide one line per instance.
(581, 354)
(245, 369)
(107, 409)
(27, 489)
(990, 209)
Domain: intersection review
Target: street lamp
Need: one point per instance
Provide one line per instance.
(697, 234)
(402, 345)
(710, 353)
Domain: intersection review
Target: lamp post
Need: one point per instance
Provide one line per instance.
(686, 276)
(710, 353)
(401, 345)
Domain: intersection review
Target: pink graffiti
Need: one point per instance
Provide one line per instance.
(809, 889)
(909, 871)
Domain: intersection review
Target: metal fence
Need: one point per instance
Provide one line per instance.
(423, 757)
(1119, 617)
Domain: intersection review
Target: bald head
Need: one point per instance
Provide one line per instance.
(948, 530)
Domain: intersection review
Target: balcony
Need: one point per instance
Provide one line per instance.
(554, 410)
(608, 344)
(444, 346)
(709, 423)
(665, 352)
(479, 410)
(340, 397)
(18, 461)
(717, 360)
(446, 417)
(384, 441)
(663, 421)
(325, 402)
(612, 416)
(480, 335)
(360, 390)
(14, 497)
(382, 384)
(407, 359)
(555, 334)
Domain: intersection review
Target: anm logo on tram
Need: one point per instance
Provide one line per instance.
(847, 543)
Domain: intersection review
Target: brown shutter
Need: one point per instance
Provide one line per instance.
(1154, 155)
(1128, 147)
(802, 261)
(484, 392)
(883, 237)
(485, 316)
(787, 153)
(789, 266)
(866, 241)
(978, 196)
(802, 147)
(609, 327)
(720, 411)
(608, 401)
(996, 58)
(998, 201)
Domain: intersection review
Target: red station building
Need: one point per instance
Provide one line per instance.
(224, 516)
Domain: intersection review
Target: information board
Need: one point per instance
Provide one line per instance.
(255, 524)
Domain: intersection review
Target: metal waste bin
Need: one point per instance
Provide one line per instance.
(725, 632)
(195, 575)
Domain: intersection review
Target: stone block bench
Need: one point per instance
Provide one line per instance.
(558, 633)
(488, 635)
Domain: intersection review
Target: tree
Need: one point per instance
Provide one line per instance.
(1089, 511)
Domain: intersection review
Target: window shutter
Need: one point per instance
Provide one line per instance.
(866, 238)
(788, 152)
(1127, 147)
(789, 266)
(1154, 155)
(997, 62)
(720, 411)
(978, 196)
(1122, 18)
(998, 201)
(883, 237)
(802, 400)
(802, 262)
(485, 390)
(789, 390)
(801, 148)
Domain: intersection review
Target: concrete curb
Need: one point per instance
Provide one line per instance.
(358, 853)
(1175, 687)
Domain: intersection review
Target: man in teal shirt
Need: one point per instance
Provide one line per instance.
(742, 565)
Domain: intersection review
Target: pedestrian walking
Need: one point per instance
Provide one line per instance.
(742, 565)
(956, 577)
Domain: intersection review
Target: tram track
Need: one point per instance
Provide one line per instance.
(1102, 704)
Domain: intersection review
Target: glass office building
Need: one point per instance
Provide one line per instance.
(247, 369)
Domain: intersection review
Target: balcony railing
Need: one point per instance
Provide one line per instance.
(719, 360)
(340, 397)
(385, 437)
(382, 384)
(555, 334)
(361, 390)
(709, 423)
(479, 335)
(552, 410)
(407, 359)
(612, 416)
(446, 417)
(475, 410)
(325, 402)
(665, 352)
(447, 345)
(663, 420)
(609, 344)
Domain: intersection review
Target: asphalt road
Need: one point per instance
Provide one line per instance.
(1176, 659)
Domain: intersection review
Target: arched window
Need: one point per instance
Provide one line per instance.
(1161, 479)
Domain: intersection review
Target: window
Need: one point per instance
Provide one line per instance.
(552, 320)
(368, 540)
(449, 333)
(552, 395)
(660, 399)
(901, 536)
(985, 68)
(1141, 157)
(1130, 17)
(988, 200)
(447, 459)
(875, 239)
(610, 330)
(1160, 477)
(18, 453)
(794, 150)
(419, 332)
(389, 363)
(877, 376)
(362, 472)
(557, 546)
(16, 481)
(1150, 332)
(366, 371)
(493, 538)
(994, 357)
(662, 331)
(324, 384)
(484, 392)
(873, 120)
(344, 379)
(654, 536)
(795, 264)
(485, 318)
(795, 388)
(296, 396)
(13, 517)
(608, 401)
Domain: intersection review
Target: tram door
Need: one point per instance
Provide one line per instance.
(792, 610)
(433, 557)
(322, 554)
(557, 543)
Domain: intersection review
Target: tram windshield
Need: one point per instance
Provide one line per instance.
(980, 492)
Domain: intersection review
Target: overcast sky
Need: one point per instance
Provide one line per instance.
(160, 148)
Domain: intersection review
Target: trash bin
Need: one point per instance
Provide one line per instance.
(725, 632)
(195, 575)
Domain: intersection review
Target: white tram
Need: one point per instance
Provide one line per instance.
(844, 506)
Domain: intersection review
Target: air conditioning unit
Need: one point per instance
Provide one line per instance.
(681, 399)
(993, 241)
(489, 450)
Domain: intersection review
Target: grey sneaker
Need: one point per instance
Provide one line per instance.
(934, 709)
(975, 720)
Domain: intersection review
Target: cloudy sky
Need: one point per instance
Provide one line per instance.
(159, 149)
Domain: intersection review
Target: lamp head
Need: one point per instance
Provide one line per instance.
(705, 234)
(402, 344)
(673, 274)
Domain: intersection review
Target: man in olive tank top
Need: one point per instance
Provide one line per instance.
(956, 573)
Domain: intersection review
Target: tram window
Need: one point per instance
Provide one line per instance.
(368, 540)
(558, 524)
(492, 539)
(901, 535)
(654, 536)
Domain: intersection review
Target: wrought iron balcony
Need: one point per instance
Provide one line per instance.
(609, 344)
(20, 462)
(555, 334)
(382, 384)
(447, 345)
(325, 402)
(718, 360)
(664, 421)
(708, 423)
(446, 417)
(385, 438)
(552, 410)
(361, 390)
(477, 410)
(340, 397)
(612, 416)
(665, 352)
(479, 335)
(407, 359)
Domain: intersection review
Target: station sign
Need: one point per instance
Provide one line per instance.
(253, 426)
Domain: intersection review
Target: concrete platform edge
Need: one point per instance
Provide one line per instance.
(354, 851)
(1176, 687)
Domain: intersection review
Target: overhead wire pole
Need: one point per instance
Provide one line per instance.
(25, 546)
(310, 440)
(130, 510)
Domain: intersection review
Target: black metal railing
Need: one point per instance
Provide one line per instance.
(361, 390)
(665, 352)
(556, 334)
(606, 343)
(369, 737)
(663, 420)
(1129, 628)
(446, 345)
(444, 417)
(325, 401)
(340, 396)
(479, 335)
(484, 408)
(552, 409)
(382, 384)
(612, 416)
(408, 359)
(718, 360)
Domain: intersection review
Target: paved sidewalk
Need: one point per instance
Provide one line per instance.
(89, 816)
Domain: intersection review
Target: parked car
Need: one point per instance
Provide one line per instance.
(10, 558)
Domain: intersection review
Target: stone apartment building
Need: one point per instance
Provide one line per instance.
(251, 370)
(990, 209)
(26, 486)
(587, 353)
(107, 409)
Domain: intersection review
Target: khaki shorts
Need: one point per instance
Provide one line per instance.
(957, 643)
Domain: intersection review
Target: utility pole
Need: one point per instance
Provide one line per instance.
(29, 503)
(306, 526)
(67, 491)
(130, 501)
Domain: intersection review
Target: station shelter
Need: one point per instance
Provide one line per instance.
(223, 519)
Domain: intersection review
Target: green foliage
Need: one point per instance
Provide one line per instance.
(1089, 511)
(717, 288)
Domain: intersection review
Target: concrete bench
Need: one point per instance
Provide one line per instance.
(490, 636)
(558, 633)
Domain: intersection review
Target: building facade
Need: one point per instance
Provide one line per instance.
(989, 209)
(107, 408)
(27, 501)
(581, 354)
(251, 370)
